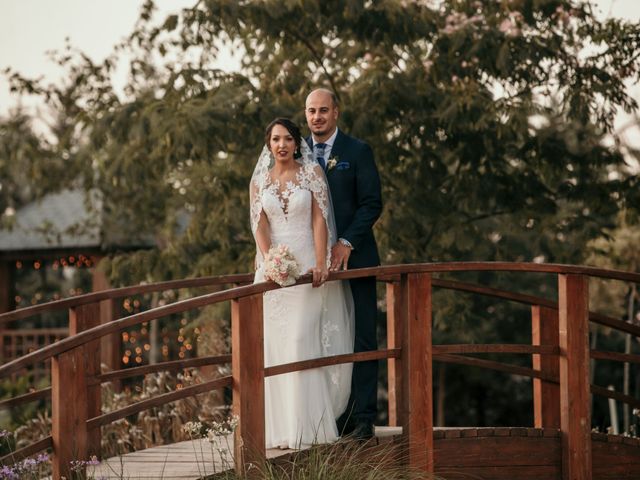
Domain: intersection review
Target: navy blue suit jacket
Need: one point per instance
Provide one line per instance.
(357, 200)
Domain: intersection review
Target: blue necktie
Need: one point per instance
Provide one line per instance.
(320, 153)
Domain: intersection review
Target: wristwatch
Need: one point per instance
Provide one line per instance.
(345, 242)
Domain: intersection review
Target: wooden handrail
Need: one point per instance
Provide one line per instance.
(388, 271)
(44, 393)
(605, 392)
(493, 365)
(412, 351)
(172, 365)
(159, 400)
(333, 360)
(243, 291)
(114, 293)
(533, 300)
(27, 451)
(496, 348)
(615, 356)
(136, 319)
(347, 358)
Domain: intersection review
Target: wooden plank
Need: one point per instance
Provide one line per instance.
(394, 341)
(498, 451)
(417, 386)
(615, 461)
(502, 473)
(575, 415)
(247, 365)
(546, 395)
(83, 318)
(68, 411)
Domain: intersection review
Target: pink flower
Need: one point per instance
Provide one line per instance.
(509, 27)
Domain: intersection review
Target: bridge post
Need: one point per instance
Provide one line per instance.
(394, 340)
(247, 364)
(416, 399)
(546, 394)
(68, 411)
(575, 414)
(82, 318)
(73, 402)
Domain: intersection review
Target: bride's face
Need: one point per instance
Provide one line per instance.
(282, 144)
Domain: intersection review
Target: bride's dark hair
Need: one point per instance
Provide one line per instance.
(291, 127)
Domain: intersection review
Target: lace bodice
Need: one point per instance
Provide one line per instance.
(289, 211)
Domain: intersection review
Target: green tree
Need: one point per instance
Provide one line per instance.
(488, 120)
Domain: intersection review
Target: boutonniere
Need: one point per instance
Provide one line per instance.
(333, 161)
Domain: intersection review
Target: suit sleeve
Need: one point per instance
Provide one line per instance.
(368, 197)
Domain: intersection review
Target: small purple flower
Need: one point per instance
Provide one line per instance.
(8, 473)
(4, 434)
(42, 458)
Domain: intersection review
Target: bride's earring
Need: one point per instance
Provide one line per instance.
(297, 153)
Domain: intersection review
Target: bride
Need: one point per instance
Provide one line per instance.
(291, 205)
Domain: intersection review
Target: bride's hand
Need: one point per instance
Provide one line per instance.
(320, 274)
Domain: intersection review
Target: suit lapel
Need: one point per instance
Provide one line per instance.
(338, 145)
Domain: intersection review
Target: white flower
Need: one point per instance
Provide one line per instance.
(280, 266)
(192, 428)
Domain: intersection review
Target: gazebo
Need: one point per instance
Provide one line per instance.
(64, 228)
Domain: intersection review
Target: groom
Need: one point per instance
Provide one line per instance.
(355, 190)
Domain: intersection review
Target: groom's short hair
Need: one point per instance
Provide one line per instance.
(331, 93)
(334, 98)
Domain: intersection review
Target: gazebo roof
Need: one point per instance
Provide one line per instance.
(69, 219)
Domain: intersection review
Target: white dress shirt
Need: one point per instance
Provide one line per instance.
(328, 143)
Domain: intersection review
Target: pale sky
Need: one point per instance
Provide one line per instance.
(29, 28)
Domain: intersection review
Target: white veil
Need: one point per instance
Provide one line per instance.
(337, 317)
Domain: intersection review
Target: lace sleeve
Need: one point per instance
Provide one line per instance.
(255, 206)
(315, 180)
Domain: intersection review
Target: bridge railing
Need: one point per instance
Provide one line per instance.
(560, 351)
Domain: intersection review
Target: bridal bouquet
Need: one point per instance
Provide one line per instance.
(281, 266)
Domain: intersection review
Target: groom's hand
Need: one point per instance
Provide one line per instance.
(339, 257)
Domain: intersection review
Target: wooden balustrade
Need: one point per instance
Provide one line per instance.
(247, 365)
(15, 343)
(560, 355)
(545, 331)
(575, 411)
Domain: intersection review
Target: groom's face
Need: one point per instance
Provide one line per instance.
(322, 114)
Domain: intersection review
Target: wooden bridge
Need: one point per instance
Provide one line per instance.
(559, 445)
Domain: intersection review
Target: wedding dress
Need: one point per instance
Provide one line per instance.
(302, 322)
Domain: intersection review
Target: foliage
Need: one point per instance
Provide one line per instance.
(157, 426)
(491, 123)
(346, 460)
